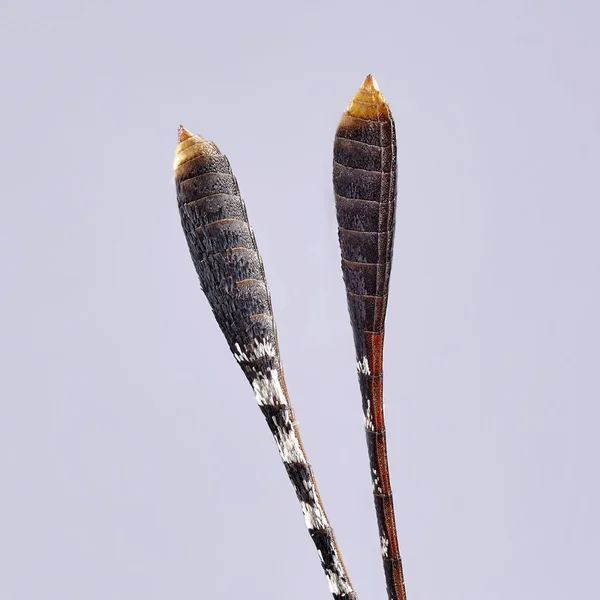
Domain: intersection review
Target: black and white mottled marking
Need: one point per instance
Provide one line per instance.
(231, 273)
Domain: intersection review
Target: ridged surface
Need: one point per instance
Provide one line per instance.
(364, 181)
(231, 273)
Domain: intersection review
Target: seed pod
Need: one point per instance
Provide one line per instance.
(231, 273)
(222, 245)
(364, 182)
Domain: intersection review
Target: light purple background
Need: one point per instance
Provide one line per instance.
(134, 463)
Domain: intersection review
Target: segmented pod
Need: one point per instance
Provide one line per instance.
(364, 181)
(231, 273)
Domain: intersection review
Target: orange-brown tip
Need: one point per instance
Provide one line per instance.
(183, 134)
(370, 84)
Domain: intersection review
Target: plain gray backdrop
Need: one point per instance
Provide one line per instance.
(134, 463)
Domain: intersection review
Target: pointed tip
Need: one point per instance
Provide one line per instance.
(368, 102)
(370, 84)
(183, 134)
(191, 146)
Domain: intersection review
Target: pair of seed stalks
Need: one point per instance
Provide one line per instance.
(230, 268)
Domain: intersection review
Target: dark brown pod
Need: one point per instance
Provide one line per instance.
(364, 182)
(224, 252)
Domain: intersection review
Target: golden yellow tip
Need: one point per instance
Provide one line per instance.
(368, 103)
(183, 134)
(370, 84)
(191, 146)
